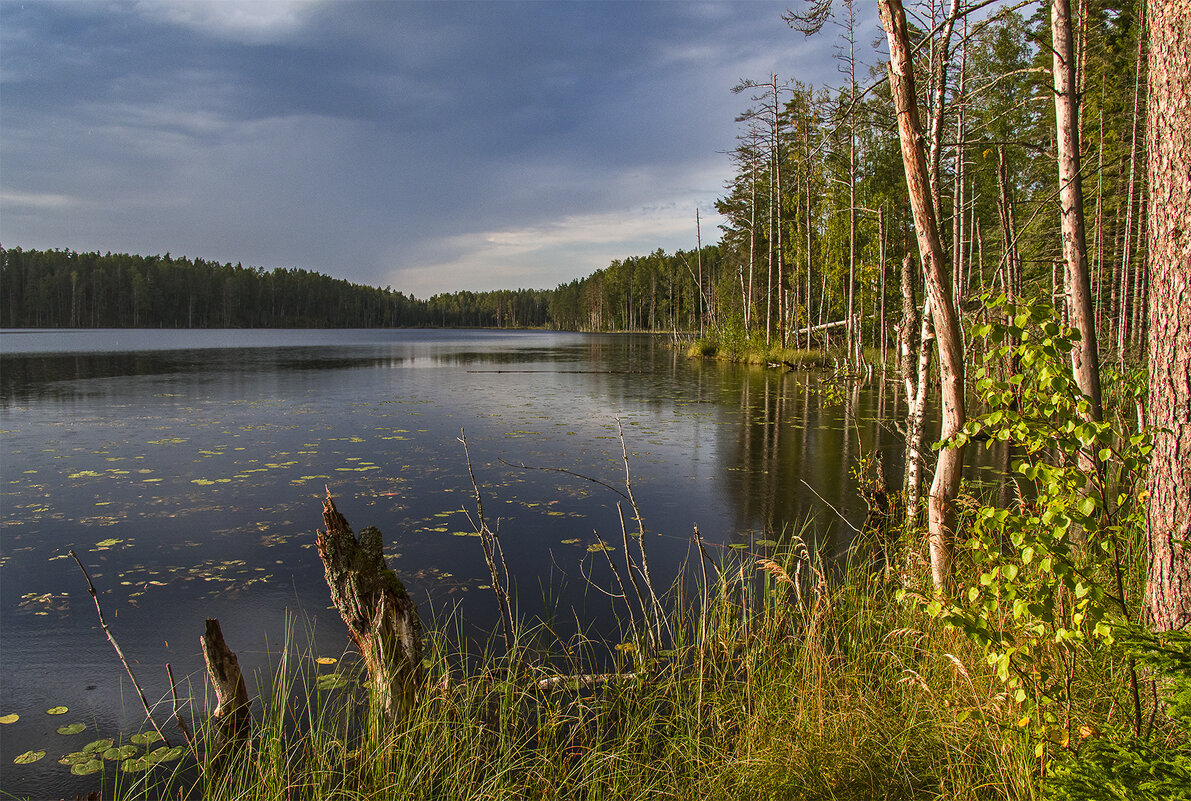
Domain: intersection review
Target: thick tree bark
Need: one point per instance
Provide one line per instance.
(941, 510)
(1085, 359)
(1168, 511)
(380, 617)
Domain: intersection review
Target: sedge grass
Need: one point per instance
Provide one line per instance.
(776, 687)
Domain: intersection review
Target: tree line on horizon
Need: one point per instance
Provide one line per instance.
(818, 219)
(65, 289)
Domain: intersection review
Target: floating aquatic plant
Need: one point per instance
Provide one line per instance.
(145, 737)
(98, 746)
(122, 752)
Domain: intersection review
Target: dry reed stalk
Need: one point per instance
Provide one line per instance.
(774, 569)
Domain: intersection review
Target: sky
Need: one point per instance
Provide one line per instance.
(427, 146)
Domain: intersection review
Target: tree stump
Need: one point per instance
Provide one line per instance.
(232, 717)
(381, 619)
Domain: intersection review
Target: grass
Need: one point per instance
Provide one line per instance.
(773, 689)
(757, 352)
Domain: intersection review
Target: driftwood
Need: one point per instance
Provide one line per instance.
(814, 329)
(381, 619)
(582, 682)
(232, 718)
(103, 624)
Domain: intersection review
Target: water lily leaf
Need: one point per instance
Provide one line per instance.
(331, 681)
(570, 542)
(108, 543)
(29, 757)
(10, 718)
(72, 728)
(75, 758)
(57, 710)
(123, 752)
(145, 738)
(98, 745)
(138, 765)
(326, 660)
(87, 768)
(766, 543)
(163, 754)
(596, 547)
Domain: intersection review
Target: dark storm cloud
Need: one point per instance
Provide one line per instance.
(430, 146)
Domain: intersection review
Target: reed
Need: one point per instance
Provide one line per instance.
(787, 679)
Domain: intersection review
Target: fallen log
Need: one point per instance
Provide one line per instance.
(380, 616)
(582, 682)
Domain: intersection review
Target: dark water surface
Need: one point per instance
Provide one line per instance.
(187, 468)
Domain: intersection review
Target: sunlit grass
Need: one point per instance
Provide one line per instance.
(776, 687)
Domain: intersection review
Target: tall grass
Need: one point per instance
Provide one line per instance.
(777, 687)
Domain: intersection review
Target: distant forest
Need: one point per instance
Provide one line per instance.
(65, 289)
(818, 247)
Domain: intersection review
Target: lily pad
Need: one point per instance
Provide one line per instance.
(331, 681)
(145, 737)
(326, 660)
(72, 728)
(10, 718)
(163, 754)
(29, 757)
(138, 765)
(75, 758)
(57, 710)
(123, 752)
(87, 768)
(96, 746)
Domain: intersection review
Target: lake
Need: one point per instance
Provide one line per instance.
(187, 470)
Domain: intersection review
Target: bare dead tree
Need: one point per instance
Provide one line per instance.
(941, 511)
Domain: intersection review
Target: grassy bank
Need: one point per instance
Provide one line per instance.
(827, 688)
(768, 692)
(748, 351)
(736, 347)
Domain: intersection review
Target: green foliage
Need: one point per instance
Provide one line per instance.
(1046, 586)
(1157, 769)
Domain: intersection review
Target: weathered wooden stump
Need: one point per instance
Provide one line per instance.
(380, 617)
(232, 717)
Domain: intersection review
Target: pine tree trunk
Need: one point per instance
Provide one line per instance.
(1168, 511)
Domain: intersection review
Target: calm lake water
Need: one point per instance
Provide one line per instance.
(187, 469)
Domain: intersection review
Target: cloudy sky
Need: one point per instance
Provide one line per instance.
(428, 146)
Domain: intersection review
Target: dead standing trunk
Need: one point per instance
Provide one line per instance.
(941, 510)
(380, 617)
(1085, 360)
(231, 714)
